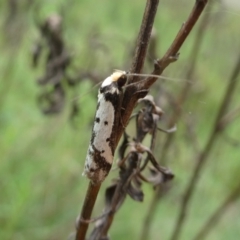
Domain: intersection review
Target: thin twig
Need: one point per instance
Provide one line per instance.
(172, 54)
(132, 94)
(101, 230)
(202, 159)
(87, 208)
(215, 217)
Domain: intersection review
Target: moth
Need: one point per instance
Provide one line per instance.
(101, 148)
(100, 152)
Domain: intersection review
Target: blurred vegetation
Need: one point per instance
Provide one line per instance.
(42, 157)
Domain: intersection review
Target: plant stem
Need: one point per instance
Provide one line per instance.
(172, 53)
(131, 94)
(144, 37)
(89, 201)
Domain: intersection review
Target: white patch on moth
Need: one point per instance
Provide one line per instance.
(107, 81)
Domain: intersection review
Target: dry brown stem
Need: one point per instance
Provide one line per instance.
(172, 53)
(89, 201)
(133, 93)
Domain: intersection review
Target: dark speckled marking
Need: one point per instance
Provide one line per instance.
(98, 105)
(100, 161)
(97, 120)
(92, 139)
(105, 123)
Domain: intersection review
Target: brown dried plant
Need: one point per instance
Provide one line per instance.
(52, 98)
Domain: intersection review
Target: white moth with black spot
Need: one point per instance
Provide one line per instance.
(101, 148)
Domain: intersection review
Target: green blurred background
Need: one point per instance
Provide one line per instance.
(42, 157)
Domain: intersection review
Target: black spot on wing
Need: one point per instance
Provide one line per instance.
(97, 120)
(105, 123)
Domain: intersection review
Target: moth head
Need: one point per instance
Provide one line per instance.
(118, 77)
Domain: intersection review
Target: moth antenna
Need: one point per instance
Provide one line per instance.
(86, 93)
(156, 76)
(222, 11)
(93, 87)
(132, 74)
